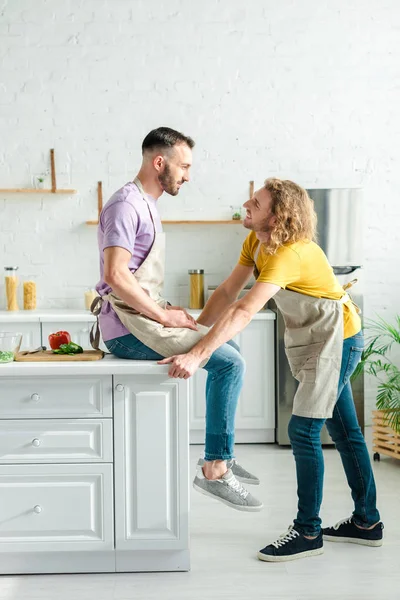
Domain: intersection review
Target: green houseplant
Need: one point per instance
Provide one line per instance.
(382, 339)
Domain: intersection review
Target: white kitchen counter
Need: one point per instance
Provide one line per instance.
(46, 316)
(109, 365)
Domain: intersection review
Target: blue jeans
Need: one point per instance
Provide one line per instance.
(345, 431)
(225, 369)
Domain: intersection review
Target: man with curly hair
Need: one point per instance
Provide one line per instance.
(323, 343)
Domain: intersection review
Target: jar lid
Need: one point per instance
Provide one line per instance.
(11, 268)
(196, 272)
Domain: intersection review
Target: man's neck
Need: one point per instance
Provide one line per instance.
(150, 185)
(263, 237)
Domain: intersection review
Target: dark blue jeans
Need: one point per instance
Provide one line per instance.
(345, 431)
(225, 369)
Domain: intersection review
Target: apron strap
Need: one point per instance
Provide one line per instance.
(95, 309)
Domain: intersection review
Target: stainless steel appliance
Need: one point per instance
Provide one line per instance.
(340, 234)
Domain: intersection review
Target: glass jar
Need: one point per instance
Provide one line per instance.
(29, 290)
(196, 288)
(11, 286)
(90, 295)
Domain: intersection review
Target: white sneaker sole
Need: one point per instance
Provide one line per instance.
(235, 506)
(360, 542)
(306, 554)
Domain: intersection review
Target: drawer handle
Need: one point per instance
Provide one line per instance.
(36, 442)
(35, 397)
(119, 388)
(37, 509)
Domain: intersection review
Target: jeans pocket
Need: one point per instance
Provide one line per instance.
(122, 351)
(354, 358)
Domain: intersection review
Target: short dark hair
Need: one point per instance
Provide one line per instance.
(165, 138)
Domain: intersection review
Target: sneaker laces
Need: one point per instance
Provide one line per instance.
(342, 522)
(290, 535)
(237, 487)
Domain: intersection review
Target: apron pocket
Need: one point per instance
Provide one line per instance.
(303, 361)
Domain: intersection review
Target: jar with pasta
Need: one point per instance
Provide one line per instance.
(11, 287)
(29, 288)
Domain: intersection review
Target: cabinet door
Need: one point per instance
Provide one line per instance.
(79, 331)
(151, 469)
(197, 406)
(255, 416)
(56, 508)
(30, 333)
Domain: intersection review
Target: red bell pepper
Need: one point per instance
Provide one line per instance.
(58, 338)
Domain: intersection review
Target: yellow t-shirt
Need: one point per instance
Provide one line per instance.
(301, 267)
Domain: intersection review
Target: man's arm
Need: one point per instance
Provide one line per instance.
(225, 295)
(233, 320)
(118, 276)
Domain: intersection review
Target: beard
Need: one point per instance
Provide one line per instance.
(263, 226)
(167, 181)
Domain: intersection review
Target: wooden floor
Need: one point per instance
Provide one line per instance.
(224, 543)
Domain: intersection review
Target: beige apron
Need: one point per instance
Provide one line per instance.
(166, 341)
(313, 345)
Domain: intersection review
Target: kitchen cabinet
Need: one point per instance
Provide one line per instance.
(255, 417)
(36, 326)
(150, 420)
(77, 491)
(79, 332)
(31, 333)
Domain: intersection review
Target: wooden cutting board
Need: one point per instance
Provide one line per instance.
(48, 356)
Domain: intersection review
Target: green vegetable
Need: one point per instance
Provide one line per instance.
(70, 348)
(6, 356)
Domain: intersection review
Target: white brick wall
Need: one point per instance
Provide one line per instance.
(306, 90)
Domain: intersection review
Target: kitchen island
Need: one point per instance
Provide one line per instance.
(93, 467)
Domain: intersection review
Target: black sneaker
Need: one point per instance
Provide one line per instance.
(290, 546)
(347, 531)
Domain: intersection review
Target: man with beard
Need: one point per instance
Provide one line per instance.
(138, 324)
(323, 343)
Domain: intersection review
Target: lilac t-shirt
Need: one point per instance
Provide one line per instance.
(125, 221)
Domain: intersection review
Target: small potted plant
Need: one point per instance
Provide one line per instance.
(39, 182)
(236, 213)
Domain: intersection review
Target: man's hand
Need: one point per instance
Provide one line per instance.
(182, 366)
(178, 317)
(169, 307)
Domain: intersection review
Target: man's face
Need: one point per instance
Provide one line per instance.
(175, 169)
(259, 215)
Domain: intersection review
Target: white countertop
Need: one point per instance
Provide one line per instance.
(69, 315)
(46, 315)
(109, 365)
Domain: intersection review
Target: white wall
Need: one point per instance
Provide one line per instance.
(303, 90)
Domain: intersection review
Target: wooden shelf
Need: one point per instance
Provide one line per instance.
(34, 191)
(53, 189)
(222, 222)
(99, 203)
(230, 222)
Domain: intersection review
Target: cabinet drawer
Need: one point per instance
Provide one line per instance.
(56, 441)
(56, 508)
(57, 397)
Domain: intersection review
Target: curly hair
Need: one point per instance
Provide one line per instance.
(295, 217)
